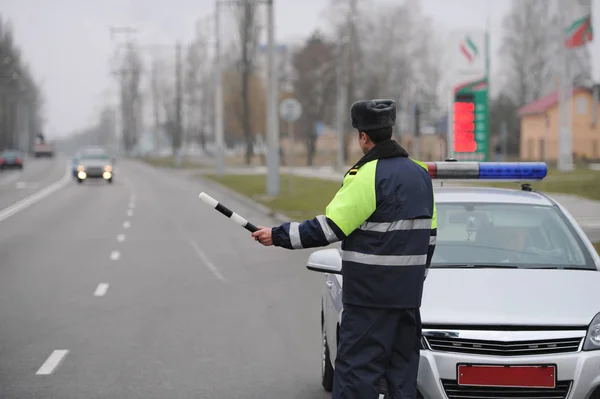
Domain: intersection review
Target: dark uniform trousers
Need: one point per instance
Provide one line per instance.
(376, 343)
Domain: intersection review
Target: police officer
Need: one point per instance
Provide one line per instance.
(384, 214)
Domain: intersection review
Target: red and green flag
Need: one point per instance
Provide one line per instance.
(580, 32)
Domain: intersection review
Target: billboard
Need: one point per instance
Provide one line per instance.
(469, 122)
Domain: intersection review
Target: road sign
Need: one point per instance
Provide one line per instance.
(290, 110)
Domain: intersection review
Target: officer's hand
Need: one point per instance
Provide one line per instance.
(263, 235)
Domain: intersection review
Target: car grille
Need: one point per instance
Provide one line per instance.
(455, 391)
(94, 171)
(500, 348)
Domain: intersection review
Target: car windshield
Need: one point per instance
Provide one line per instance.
(9, 154)
(95, 156)
(507, 235)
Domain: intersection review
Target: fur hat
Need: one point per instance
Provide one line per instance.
(371, 115)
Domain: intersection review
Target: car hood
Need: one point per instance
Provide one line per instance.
(511, 296)
(93, 163)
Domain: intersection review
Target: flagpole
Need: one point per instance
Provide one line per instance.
(565, 155)
(488, 73)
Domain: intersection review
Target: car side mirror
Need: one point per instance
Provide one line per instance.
(325, 261)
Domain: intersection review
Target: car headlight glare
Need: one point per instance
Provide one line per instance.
(80, 168)
(592, 339)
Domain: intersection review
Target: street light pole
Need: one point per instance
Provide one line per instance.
(272, 117)
(218, 94)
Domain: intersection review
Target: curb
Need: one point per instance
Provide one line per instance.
(279, 217)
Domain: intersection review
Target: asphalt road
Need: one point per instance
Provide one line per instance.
(17, 184)
(139, 290)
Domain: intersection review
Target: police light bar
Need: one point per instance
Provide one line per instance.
(513, 171)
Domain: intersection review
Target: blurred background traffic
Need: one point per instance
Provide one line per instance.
(147, 87)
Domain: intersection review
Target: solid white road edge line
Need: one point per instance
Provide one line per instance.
(52, 362)
(206, 261)
(101, 289)
(121, 237)
(115, 255)
(37, 196)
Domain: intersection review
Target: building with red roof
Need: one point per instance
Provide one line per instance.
(539, 127)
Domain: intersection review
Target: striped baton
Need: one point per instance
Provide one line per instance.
(213, 203)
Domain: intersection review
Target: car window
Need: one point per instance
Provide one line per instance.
(525, 236)
(102, 157)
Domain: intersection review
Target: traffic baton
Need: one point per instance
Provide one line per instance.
(213, 203)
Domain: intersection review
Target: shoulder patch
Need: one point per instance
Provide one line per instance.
(352, 172)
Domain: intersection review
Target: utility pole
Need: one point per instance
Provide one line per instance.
(273, 100)
(417, 127)
(156, 134)
(504, 138)
(178, 137)
(342, 90)
(565, 155)
(120, 73)
(218, 94)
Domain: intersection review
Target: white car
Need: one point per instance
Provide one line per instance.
(511, 305)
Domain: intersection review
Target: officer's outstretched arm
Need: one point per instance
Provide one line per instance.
(351, 206)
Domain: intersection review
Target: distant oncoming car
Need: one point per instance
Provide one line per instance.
(510, 306)
(11, 159)
(94, 164)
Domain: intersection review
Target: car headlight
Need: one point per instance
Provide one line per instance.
(80, 168)
(592, 338)
(108, 168)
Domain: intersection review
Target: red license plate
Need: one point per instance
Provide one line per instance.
(507, 376)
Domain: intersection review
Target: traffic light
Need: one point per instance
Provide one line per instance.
(464, 123)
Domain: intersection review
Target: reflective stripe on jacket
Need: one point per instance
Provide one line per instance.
(385, 215)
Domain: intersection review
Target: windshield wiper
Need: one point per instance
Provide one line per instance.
(564, 268)
(476, 266)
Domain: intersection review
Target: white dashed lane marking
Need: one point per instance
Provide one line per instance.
(101, 289)
(121, 237)
(130, 212)
(115, 255)
(126, 224)
(52, 362)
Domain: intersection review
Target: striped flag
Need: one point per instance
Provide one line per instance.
(579, 30)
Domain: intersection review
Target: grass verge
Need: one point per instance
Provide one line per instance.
(169, 162)
(582, 182)
(300, 198)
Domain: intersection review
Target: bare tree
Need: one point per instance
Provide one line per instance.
(246, 16)
(314, 86)
(21, 117)
(527, 50)
(197, 89)
(131, 72)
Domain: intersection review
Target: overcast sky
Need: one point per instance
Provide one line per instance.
(68, 43)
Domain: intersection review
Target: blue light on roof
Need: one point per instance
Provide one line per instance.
(512, 170)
